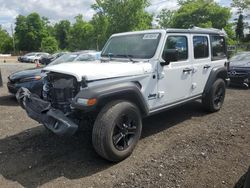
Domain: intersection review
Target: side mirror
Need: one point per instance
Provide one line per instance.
(169, 56)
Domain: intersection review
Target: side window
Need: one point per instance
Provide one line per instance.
(178, 43)
(200, 47)
(218, 47)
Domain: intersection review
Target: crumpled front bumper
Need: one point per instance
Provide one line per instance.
(42, 111)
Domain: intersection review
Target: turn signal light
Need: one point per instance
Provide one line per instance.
(91, 102)
(87, 102)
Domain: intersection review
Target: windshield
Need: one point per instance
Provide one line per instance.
(85, 57)
(141, 46)
(65, 58)
(241, 57)
(30, 54)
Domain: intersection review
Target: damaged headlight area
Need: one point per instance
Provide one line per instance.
(54, 108)
(60, 90)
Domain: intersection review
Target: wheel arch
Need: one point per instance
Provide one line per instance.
(216, 72)
(130, 91)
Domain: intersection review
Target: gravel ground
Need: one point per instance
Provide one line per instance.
(183, 147)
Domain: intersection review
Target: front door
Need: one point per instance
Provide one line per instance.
(174, 80)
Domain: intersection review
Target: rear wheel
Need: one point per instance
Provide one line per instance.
(117, 130)
(213, 101)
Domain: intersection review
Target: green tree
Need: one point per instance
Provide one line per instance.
(48, 28)
(81, 35)
(201, 13)
(124, 15)
(166, 18)
(49, 44)
(62, 31)
(240, 28)
(30, 31)
(241, 4)
(101, 24)
(21, 30)
(6, 45)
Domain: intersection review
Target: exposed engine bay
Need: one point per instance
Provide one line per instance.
(59, 90)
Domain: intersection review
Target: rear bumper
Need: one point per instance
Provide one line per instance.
(42, 111)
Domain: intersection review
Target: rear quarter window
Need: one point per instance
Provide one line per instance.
(218, 45)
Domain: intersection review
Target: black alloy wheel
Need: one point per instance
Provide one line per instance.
(124, 131)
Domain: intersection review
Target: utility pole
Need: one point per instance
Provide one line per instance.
(13, 38)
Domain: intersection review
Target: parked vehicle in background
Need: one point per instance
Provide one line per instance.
(33, 78)
(141, 73)
(32, 57)
(239, 70)
(48, 59)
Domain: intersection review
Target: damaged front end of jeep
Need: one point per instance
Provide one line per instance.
(54, 109)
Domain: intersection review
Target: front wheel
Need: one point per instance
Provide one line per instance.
(117, 130)
(213, 101)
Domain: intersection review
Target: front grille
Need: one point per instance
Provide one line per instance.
(60, 89)
(237, 73)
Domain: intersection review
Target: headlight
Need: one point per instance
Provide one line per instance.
(86, 102)
(33, 78)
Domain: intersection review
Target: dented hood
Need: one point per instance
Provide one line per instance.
(97, 70)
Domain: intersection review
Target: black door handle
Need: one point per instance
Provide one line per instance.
(187, 70)
(206, 67)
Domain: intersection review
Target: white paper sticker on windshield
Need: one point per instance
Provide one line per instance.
(150, 36)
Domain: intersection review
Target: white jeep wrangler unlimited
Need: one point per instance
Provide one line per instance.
(140, 74)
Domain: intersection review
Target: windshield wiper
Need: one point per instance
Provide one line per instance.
(130, 57)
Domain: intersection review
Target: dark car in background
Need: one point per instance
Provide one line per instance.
(32, 79)
(48, 59)
(239, 69)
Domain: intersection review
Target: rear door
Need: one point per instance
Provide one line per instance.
(201, 61)
(208, 52)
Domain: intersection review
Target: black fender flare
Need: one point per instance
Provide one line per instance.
(216, 72)
(129, 91)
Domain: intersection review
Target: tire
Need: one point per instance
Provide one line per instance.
(213, 101)
(117, 130)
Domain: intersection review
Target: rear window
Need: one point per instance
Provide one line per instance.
(200, 47)
(218, 44)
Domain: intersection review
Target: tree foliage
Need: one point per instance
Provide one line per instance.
(35, 33)
(201, 13)
(30, 31)
(124, 15)
(6, 45)
(166, 18)
(240, 28)
(241, 4)
(62, 31)
(81, 35)
(49, 44)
